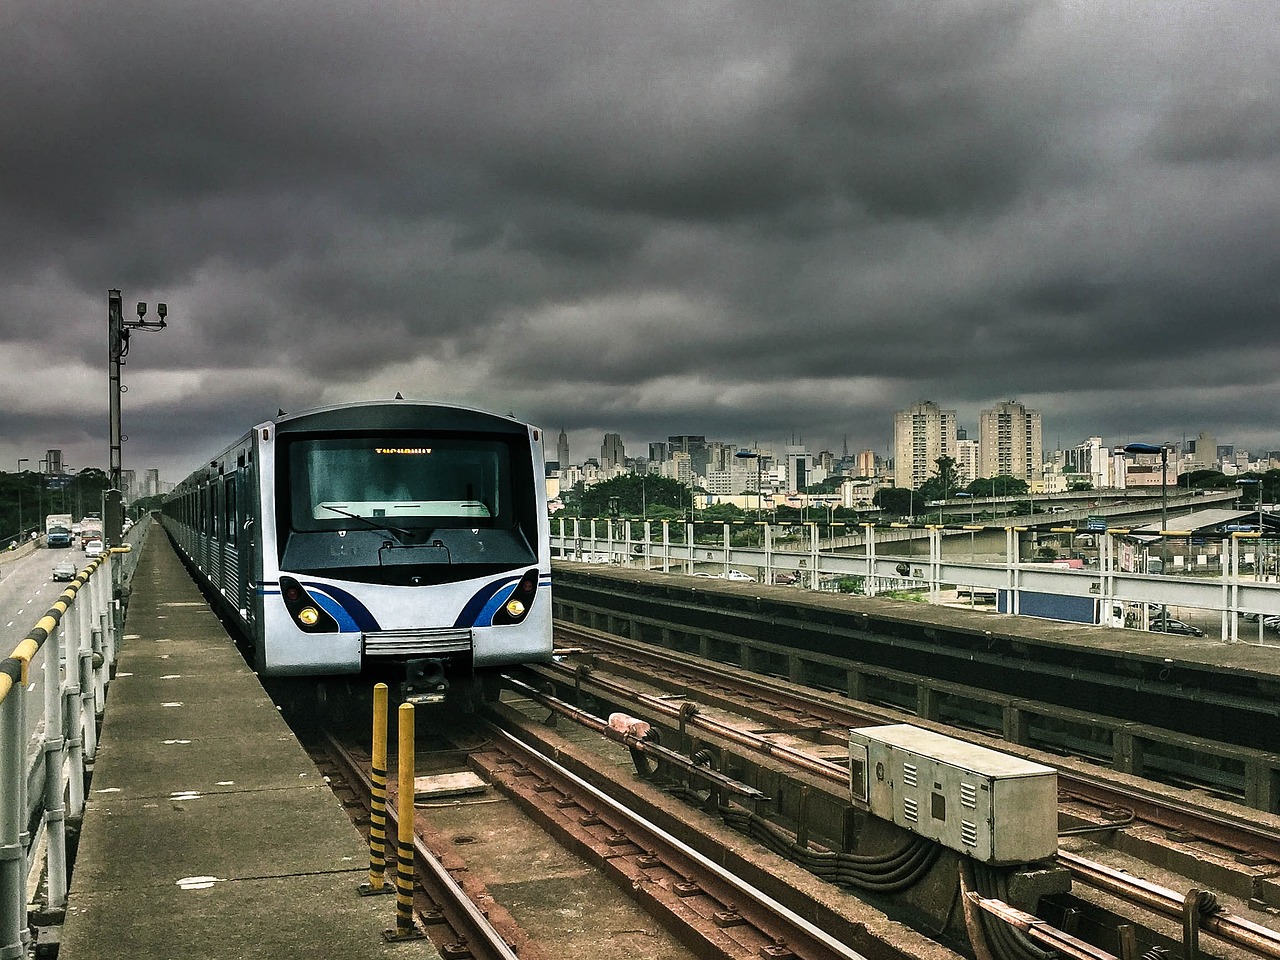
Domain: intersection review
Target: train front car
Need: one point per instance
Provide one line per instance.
(405, 539)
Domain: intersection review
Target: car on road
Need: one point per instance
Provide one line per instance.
(93, 549)
(1170, 625)
(64, 570)
(737, 576)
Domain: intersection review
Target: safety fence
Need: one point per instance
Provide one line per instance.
(879, 559)
(70, 653)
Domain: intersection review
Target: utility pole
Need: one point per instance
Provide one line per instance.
(21, 530)
(118, 330)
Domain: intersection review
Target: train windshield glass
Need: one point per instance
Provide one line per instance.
(400, 484)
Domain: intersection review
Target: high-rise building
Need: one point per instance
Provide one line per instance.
(1009, 442)
(151, 486)
(53, 461)
(1089, 460)
(1204, 452)
(921, 434)
(129, 484)
(562, 450)
(867, 463)
(799, 467)
(659, 452)
(695, 447)
(612, 453)
(966, 460)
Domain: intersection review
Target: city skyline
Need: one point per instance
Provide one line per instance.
(640, 220)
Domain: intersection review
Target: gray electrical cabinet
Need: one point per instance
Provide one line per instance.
(982, 803)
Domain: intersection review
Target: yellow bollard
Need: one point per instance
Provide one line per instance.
(378, 805)
(405, 930)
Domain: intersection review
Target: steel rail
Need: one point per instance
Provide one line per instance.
(687, 712)
(468, 919)
(1223, 924)
(1236, 833)
(803, 937)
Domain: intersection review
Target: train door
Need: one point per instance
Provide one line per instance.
(242, 537)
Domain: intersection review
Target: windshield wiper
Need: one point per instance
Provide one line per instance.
(406, 534)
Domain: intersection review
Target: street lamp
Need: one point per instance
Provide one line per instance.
(1254, 482)
(118, 331)
(1163, 450)
(754, 455)
(965, 494)
(21, 461)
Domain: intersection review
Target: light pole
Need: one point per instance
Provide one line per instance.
(754, 455)
(1163, 450)
(968, 496)
(44, 465)
(118, 330)
(21, 461)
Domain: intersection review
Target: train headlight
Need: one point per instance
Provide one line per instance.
(307, 612)
(521, 599)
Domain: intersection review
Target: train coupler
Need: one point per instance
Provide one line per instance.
(424, 682)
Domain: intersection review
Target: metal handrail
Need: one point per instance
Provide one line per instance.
(813, 560)
(79, 636)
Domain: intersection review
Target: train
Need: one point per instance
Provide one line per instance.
(403, 539)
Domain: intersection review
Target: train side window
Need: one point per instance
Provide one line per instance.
(231, 516)
(215, 509)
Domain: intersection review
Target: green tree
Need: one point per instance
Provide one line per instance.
(944, 482)
(636, 496)
(1001, 486)
(1207, 480)
(896, 501)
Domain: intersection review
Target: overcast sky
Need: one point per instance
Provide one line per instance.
(746, 220)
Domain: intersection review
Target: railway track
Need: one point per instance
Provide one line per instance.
(714, 912)
(1246, 833)
(680, 690)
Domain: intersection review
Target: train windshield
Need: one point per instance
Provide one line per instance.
(400, 485)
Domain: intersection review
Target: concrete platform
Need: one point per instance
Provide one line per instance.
(208, 831)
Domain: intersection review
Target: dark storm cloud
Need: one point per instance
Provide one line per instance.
(732, 218)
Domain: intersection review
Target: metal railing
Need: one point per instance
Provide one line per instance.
(78, 637)
(795, 552)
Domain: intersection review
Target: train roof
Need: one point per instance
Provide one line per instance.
(398, 413)
(402, 412)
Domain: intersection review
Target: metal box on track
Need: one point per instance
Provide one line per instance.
(982, 803)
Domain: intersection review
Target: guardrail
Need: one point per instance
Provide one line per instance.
(78, 637)
(795, 552)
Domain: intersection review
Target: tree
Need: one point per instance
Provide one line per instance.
(636, 496)
(944, 482)
(894, 500)
(1001, 486)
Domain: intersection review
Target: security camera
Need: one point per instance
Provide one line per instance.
(142, 309)
(162, 309)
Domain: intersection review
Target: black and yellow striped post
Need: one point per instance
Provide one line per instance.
(378, 805)
(405, 929)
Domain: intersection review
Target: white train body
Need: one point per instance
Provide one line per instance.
(375, 534)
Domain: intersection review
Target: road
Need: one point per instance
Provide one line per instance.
(27, 591)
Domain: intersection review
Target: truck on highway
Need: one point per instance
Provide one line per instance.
(1053, 606)
(90, 529)
(57, 530)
